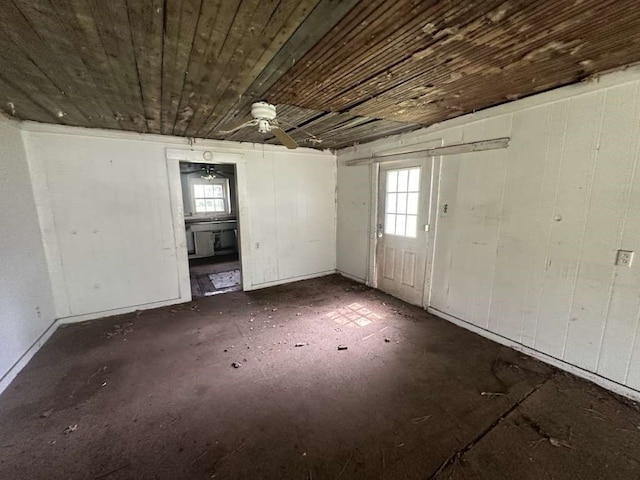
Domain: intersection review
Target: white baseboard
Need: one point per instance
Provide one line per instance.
(288, 280)
(562, 365)
(351, 277)
(12, 373)
(120, 311)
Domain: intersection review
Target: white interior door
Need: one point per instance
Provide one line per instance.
(404, 195)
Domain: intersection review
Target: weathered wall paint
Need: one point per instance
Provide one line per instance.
(527, 246)
(108, 220)
(354, 201)
(26, 301)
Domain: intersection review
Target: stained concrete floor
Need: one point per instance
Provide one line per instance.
(155, 396)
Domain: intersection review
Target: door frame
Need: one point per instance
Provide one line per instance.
(398, 161)
(202, 155)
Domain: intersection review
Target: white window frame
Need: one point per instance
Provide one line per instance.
(224, 182)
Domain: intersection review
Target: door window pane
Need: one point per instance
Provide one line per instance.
(402, 202)
(403, 179)
(390, 224)
(391, 202)
(392, 181)
(401, 224)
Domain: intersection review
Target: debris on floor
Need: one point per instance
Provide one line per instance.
(172, 397)
(418, 420)
(120, 330)
(342, 347)
(493, 394)
(70, 429)
(302, 344)
(558, 443)
(225, 280)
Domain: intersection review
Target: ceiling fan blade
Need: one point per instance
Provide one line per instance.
(250, 123)
(284, 138)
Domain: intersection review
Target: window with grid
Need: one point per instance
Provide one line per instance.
(403, 193)
(210, 198)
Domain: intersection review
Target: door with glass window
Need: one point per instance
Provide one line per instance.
(403, 223)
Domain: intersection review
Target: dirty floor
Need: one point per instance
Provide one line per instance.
(155, 396)
(202, 271)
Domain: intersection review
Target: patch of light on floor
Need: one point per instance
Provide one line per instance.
(354, 316)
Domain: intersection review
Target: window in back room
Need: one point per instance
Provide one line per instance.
(211, 196)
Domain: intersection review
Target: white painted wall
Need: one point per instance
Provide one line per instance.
(292, 213)
(526, 251)
(112, 218)
(354, 212)
(26, 302)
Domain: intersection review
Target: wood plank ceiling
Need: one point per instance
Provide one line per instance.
(341, 72)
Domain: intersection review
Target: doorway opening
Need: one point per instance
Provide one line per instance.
(209, 195)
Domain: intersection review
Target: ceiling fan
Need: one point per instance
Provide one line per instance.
(264, 117)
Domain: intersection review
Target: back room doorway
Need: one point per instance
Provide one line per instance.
(209, 194)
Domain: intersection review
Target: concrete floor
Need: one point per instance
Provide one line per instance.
(155, 396)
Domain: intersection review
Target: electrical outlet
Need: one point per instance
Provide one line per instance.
(624, 258)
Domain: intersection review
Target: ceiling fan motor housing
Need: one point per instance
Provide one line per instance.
(264, 117)
(263, 111)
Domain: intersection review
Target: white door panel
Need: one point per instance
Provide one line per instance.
(403, 213)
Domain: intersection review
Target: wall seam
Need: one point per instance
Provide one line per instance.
(637, 325)
(595, 154)
(550, 236)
